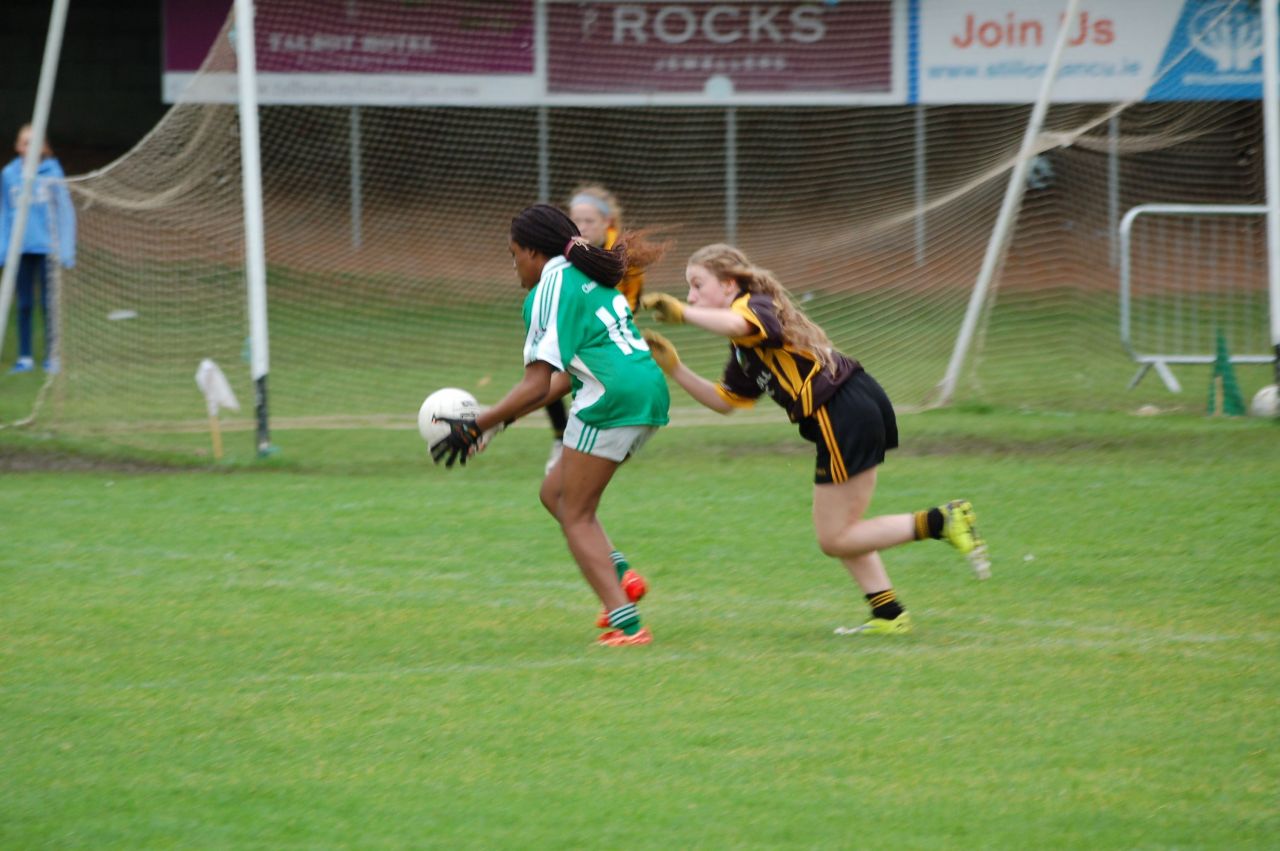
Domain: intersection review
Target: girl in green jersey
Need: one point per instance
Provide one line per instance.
(579, 335)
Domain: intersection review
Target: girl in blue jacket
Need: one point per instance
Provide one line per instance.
(51, 227)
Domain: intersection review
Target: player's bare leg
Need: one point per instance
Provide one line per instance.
(633, 584)
(868, 571)
(845, 534)
(549, 493)
(843, 531)
(581, 482)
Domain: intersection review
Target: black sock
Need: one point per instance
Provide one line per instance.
(928, 524)
(884, 604)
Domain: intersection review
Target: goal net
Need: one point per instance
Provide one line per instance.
(389, 275)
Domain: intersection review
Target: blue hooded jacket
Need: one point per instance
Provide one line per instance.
(52, 220)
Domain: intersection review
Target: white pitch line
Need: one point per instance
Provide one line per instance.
(974, 642)
(753, 601)
(591, 655)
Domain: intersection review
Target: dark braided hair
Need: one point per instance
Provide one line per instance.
(548, 231)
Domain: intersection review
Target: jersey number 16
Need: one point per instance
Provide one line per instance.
(620, 328)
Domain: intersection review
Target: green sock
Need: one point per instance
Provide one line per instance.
(625, 618)
(619, 563)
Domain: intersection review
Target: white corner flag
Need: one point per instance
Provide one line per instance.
(216, 388)
(217, 394)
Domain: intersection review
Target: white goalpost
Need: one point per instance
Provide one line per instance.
(1271, 136)
(1008, 210)
(255, 241)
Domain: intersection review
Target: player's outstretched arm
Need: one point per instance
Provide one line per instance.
(527, 395)
(703, 391)
(717, 320)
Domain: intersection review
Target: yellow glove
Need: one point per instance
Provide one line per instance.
(663, 352)
(665, 308)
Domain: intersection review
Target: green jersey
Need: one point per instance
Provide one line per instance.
(580, 327)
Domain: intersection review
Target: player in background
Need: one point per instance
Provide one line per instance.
(579, 334)
(776, 350)
(595, 211)
(51, 226)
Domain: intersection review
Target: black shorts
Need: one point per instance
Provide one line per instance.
(852, 430)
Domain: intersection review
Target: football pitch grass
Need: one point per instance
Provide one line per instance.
(344, 647)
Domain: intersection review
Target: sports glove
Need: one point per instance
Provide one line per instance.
(462, 441)
(663, 351)
(665, 308)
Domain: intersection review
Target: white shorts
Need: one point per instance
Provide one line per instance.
(615, 444)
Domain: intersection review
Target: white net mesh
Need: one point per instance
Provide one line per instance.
(388, 273)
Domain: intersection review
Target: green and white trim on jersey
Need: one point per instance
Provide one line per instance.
(585, 329)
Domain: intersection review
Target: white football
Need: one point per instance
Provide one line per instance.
(1266, 402)
(450, 402)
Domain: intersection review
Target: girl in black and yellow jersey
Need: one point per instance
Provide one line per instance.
(775, 350)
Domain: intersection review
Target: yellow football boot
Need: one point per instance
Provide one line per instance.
(960, 530)
(900, 625)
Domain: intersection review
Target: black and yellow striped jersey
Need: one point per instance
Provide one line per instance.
(632, 282)
(764, 362)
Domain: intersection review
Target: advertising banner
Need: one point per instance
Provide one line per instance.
(559, 52)
(721, 52)
(993, 51)
(721, 48)
(1215, 53)
(363, 51)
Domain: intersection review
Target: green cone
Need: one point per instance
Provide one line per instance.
(1224, 389)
